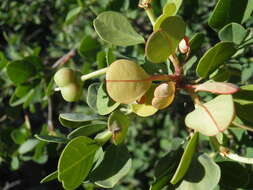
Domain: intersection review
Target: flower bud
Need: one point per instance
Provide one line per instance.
(184, 45)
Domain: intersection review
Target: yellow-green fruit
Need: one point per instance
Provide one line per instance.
(64, 76)
(72, 92)
(126, 81)
(164, 95)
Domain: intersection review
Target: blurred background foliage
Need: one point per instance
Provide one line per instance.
(42, 31)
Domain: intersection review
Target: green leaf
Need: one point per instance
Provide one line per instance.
(233, 32)
(76, 161)
(227, 11)
(158, 47)
(215, 57)
(203, 173)
(233, 175)
(196, 41)
(244, 112)
(118, 124)
(114, 28)
(91, 97)
(115, 165)
(186, 159)
(165, 169)
(28, 146)
(212, 117)
(72, 14)
(3, 60)
(51, 139)
(74, 120)
(105, 104)
(20, 71)
(19, 135)
(134, 81)
(15, 101)
(88, 45)
(50, 177)
(245, 95)
(175, 28)
(87, 130)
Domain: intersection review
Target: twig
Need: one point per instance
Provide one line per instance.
(242, 126)
(64, 59)
(146, 5)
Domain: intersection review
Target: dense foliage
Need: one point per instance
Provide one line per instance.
(71, 70)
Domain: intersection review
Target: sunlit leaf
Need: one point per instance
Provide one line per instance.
(126, 81)
(217, 87)
(212, 117)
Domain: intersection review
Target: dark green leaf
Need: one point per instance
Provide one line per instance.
(88, 45)
(76, 161)
(196, 41)
(114, 166)
(215, 57)
(245, 95)
(91, 97)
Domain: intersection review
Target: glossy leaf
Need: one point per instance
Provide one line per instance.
(212, 117)
(114, 28)
(233, 32)
(227, 11)
(105, 104)
(186, 159)
(215, 57)
(118, 124)
(144, 107)
(50, 177)
(87, 130)
(76, 161)
(114, 166)
(217, 87)
(245, 95)
(126, 76)
(74, 120)
(51, 139)
(203, 173)
(158, 47)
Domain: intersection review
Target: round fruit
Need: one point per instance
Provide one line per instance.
(72, 92)
(126, 81)
(64, 76)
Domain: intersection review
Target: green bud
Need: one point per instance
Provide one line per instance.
(72, 92)
(64, 76)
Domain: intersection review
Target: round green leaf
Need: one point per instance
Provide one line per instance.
(76, 161)
(105, 104)
(186, 159)
(212, 117)
(233, 32)
(114, 28)
(215, 57)
(91, 97)
(126, 81)
(158, 47)
(118, 124)
(203, 173)
(175, 28)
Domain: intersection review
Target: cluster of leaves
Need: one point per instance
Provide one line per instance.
(88, 157)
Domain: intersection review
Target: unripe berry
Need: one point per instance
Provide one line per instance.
(72, 92)
(64, 76)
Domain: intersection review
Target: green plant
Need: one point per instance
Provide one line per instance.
(95, 150)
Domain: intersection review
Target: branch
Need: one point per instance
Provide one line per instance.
(65, 58)
(50, 124)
